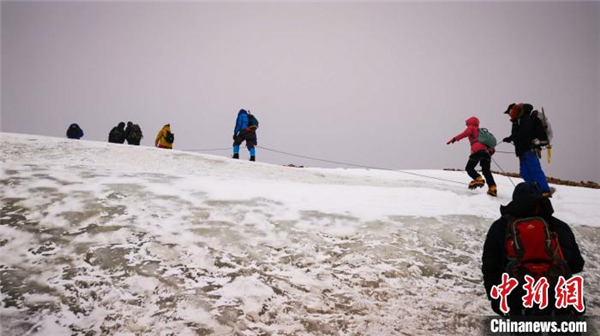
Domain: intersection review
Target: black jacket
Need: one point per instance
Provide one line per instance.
(494, 260)
(117, 135)
(523, 131)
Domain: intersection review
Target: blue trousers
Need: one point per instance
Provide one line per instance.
(236, 150)
(531, 170)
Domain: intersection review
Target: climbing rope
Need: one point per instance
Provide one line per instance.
(357, 165)
(353, 164)
(209, 149)
(330, 161)
(502, 170)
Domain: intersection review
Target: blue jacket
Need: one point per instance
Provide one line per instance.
(242, 121)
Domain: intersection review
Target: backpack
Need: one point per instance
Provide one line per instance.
(136, 133)
(544, 130)
(73, 131)
(533, 249)
(486, 138)
(252, 122)
(170, 137)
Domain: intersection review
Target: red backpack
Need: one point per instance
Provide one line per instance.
(533, 249)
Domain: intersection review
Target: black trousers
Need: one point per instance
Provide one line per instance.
(248, 136)
(484, 159)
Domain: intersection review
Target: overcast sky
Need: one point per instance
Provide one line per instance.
(380, 84)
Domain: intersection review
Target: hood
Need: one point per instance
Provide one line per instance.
(526, 189)
(528, 206)
(527, 202)
(527, 109)
(121, 125)
(242, 111)
(473, 121)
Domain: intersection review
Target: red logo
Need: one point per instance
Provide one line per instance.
(568, 292)
(537, 293)
(503, 290)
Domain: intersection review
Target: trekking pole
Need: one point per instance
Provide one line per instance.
(505, 174)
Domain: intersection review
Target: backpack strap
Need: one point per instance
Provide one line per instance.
(511, 234)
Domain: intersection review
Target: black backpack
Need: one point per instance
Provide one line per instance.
(252, 122)
(73, 131)
(170, 137)
(136, 133)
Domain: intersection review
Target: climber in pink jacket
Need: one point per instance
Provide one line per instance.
(480, 154)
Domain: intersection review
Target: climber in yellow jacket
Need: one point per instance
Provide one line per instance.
(164, 138)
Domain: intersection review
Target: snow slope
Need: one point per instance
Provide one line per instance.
(100, 238)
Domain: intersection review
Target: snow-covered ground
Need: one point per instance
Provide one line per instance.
(110, 239)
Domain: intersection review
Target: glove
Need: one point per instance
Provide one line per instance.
(453, 140)
(507, 139)
(234, 136)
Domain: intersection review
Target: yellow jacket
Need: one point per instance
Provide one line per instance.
(160, 140)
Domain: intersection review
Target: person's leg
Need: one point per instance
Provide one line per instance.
(470, 168)
(536, 172)
(524, 169)
(236, 146)
(250, 143)
(478, 181)
(485, 163)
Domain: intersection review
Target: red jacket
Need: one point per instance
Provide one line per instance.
(472, 132)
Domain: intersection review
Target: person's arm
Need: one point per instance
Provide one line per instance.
(568, 246)
(461, 136)
(236, 129)
(520, 130)
(467, 132)
(493, 256)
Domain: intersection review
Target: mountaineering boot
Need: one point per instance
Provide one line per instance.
(493, 191)
(253, 158)
(477, 183)
(549, 194)
(236, 156)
